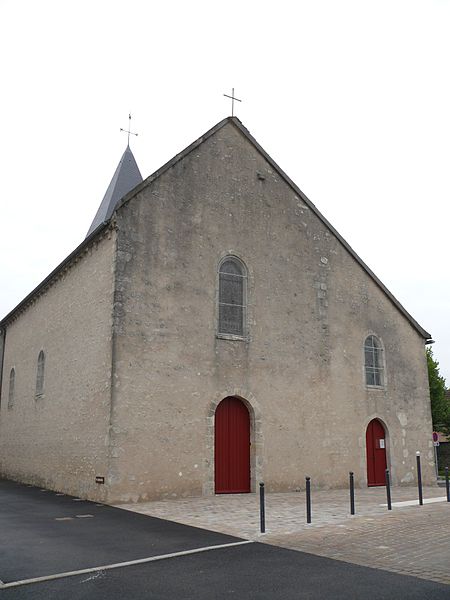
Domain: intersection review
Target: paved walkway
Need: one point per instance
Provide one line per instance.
(410, 539)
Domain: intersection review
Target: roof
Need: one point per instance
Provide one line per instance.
(54, 274)
(237, 123)
(126, 166)
(126, 177)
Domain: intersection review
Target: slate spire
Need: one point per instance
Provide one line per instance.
(126, 177)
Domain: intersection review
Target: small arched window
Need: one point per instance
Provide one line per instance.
(373, 361)
(12, 385)
(232, 296)
(40, 374)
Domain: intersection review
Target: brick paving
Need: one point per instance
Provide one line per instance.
(411, 540)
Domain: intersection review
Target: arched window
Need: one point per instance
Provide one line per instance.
(232, 296)
(40, 374)
(373, 361)
(12, 385)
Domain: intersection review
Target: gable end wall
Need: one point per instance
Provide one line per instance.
(300, 371)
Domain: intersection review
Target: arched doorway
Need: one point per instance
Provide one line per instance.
(231, 447)
(376, 453)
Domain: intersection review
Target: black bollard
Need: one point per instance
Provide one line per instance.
(388, 489)
(308, 499)
(352, 494)
(419, 478)
(447, 485)
(262, 510)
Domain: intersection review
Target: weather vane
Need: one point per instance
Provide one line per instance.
(129, 129)
(233, 98)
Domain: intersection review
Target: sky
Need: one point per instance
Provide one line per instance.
(350, 98)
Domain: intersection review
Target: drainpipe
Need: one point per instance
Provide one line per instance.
(2, 356)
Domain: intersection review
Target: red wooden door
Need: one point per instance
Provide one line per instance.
(376, 453)
(232, 447)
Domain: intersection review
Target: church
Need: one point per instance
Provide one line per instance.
(212, 331)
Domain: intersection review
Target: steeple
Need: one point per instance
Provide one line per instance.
(126, 177)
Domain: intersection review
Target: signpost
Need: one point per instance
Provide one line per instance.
(436, 444)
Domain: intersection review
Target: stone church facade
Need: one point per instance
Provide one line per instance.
(212, 316)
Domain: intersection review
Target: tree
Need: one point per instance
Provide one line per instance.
(440, 407)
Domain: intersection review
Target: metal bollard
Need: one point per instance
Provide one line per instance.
(388, 489)
(308, 499)
(419, 478)
(262, 510)
(352, 493)
(447, 484)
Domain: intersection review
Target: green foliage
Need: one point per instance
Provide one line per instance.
(440, 406)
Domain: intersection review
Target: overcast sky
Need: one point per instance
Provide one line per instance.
(351, 98)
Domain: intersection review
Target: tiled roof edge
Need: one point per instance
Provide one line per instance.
(173, 161)
(237, 123)
(346, 245)
(53, 275)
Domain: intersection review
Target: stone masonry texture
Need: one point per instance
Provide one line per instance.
(135, 368)
(300, 369)
(60, 440)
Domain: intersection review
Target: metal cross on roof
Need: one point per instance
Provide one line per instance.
(129, 129)
(232, 100)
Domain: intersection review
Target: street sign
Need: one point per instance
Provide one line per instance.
(435, 436)
(435, 444)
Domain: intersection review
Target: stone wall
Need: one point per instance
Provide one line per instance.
(300, 368)
(60, 439)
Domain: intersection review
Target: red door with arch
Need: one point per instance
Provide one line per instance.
(376, 453)
(232, 447)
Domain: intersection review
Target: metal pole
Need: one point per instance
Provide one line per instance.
(447, 484)
(419, 478)
(262, 510)
(436, 462)
(388, 489)
(352, 494)
(308, 499)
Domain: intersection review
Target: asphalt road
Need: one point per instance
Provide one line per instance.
(34, 544)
